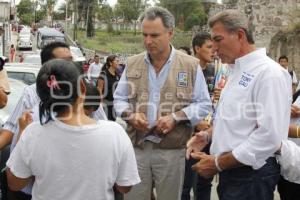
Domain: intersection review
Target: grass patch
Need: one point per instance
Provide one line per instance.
(125, 42)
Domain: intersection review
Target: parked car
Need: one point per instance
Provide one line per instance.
(24, 43)
(27, 73)
(33, 59)
(24, 39)
(16, 90)
(77, 54)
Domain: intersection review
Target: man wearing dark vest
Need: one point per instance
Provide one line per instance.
(162, 94)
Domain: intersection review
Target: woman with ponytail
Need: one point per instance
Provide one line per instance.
(69, 155)
(107, 83)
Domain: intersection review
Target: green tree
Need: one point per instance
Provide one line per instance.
(182, 10)
(195, 19)
(25, 10)
(129, 10)
(48, 7)
(105, 13)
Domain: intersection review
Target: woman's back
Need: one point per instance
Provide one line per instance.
(75, 162)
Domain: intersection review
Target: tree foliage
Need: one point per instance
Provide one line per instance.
(129, 9)
(105, 13)
(28, 11)
(187, 13)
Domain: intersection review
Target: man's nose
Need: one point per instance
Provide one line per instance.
(148, 40)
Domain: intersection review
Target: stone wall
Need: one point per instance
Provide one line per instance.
(287, 43)
(270, 20)
(267, 16)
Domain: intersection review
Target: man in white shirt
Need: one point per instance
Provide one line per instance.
(252, 117)
(94, 69)
(284, 62)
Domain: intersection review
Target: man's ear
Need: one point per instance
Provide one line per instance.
(241, 34)
(197, 49)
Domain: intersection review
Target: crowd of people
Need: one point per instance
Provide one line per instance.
(226, 108)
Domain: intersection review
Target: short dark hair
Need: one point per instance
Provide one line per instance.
(92, 96)
(283, 57)
(199, 39)
(47, 51)
(57, 85)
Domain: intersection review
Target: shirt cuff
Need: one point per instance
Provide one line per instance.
(243, 154)
(120, 107)
(194, 115)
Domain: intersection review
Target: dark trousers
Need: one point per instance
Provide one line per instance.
(244, 183)
(18, 196)
(288, 190)
(118, 195)
(201, 186)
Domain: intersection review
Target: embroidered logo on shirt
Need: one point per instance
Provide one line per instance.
(245, 79)
(182, 79)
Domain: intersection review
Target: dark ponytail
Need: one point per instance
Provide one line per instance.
(109, 60)
(57, 86)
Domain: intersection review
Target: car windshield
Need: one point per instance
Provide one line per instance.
(77, 52)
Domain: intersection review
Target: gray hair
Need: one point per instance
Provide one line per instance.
(232, 21)
(155, 12)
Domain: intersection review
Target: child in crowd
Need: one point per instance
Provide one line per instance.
(68, 155)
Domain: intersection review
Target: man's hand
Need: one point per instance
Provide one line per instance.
(197, 143)
(206, 166)
(139, 122)
(165, 124)
(24, 121)
(295, 111)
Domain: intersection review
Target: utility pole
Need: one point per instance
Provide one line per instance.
(75, 21)
(87, 19)
(66, 19)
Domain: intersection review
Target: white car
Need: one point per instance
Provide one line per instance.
(77, 54)
(33, 59)
(24, 40)
(27, 73)
(24, 43)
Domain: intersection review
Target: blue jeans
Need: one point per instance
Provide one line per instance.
(244, 183)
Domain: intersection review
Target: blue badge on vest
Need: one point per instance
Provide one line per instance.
(182, 79)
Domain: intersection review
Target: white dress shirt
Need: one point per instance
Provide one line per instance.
(94, 70)
(289, 161)
(253, 114)
(195, 112)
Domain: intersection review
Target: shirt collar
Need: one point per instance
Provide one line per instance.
(147, 56)
(250, 58)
